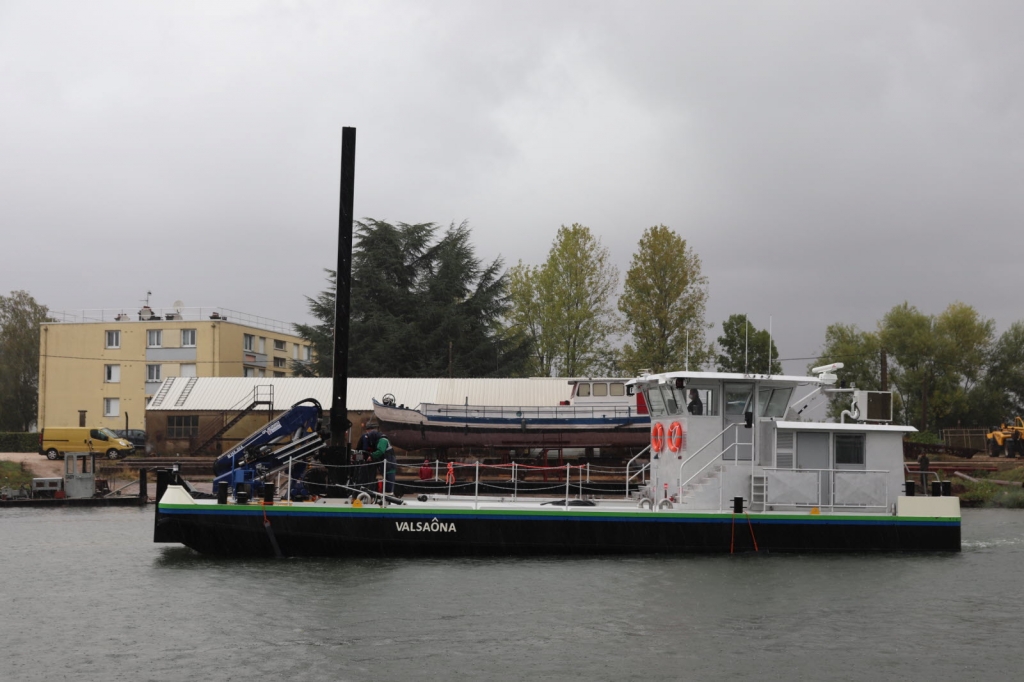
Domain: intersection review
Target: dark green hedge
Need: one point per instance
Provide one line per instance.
(19, 442)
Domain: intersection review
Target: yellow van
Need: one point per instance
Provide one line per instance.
(54, 441)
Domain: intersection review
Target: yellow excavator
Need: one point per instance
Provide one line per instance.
(1007, 439)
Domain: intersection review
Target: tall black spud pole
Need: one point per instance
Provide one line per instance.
(342, 302)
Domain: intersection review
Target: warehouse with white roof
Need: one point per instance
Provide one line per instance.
(209, 415)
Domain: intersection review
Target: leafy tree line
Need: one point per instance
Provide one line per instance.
(424, 305)
(947, 370)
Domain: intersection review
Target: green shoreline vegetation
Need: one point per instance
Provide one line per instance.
(13, 475)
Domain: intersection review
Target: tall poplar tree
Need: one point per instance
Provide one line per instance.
(664, 301)
(575, 288)
(564, 306)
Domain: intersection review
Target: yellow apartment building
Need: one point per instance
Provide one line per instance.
(100, 368)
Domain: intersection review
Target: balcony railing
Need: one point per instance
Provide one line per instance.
(149, 314)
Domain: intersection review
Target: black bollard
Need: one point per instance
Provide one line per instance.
(911, 488)
(143, 484)
(222, 492)
(242, 493)
(268, 493)
(936, 489)
(737, 505)
(947, 488)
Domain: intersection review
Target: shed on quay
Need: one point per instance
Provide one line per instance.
(210, 415)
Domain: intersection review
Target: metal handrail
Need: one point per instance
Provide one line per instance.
(642, 469)
(710, 462)
(624, 411)
(832, 486)
(906, 469)
(702, 448)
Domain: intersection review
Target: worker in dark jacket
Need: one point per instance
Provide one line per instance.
(383, 452)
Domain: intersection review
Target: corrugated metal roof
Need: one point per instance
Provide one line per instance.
(218, 394)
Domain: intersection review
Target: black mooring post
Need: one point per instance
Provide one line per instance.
(339, 397)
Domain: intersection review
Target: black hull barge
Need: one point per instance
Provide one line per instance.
(455, 528)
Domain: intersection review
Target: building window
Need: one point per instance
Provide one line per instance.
(280, 345)
(248, 372)
(263, 344)
(152, 372)
(112, 374)
(295, 351)
(850, 448)
(309, 353)
(154, 338)
(113, 339)
(263, 372)
(183, 427)
(279, 375)
(280, 362)
(188, 338)
(111, 407)
(248, 342)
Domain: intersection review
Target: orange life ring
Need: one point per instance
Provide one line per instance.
(675, 436)
(658, 437)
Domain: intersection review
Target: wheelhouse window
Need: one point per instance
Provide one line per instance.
(737, 398)
(113, 339)
(188, 338)
(772, 402)
(655, 401)
(582, 390)
(154, 338)
(849, 448)
(701, 402)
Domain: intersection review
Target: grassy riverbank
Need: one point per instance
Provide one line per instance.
(985, 493)
(13, 474)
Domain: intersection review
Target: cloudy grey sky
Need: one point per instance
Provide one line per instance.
(826, 160)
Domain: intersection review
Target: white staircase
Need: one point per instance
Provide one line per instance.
(703, 492)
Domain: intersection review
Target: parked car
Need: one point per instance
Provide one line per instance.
(136, 437)
(54, 441)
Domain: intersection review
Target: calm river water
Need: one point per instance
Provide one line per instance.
(86, 595)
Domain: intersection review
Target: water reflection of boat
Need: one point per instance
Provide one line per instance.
(599, 413)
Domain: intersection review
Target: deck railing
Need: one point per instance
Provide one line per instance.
(827, 488)
(487, 412)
